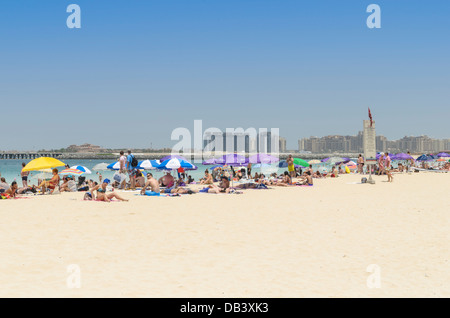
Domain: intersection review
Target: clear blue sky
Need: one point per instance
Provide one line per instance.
(138, 69)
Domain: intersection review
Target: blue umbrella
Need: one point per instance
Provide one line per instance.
(284, 164)
(114, 166)
(175, 163)
(148, 164)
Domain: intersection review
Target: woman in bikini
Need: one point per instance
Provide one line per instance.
(24, 175)
(52, 184)
(101, 193)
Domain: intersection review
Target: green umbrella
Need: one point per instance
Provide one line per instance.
(301, 162)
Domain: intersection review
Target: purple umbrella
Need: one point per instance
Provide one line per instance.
(263, 158)
(211, 161)
(402, 156)
(443, 155)
(325, 160)
(233, 160)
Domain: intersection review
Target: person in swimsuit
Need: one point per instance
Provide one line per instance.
(24, 175)
(291, 167)
(52, 184)
(102, 195)
(360, 164)
(152, 183)
(381, 164)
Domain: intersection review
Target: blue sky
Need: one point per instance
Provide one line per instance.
(136, 70)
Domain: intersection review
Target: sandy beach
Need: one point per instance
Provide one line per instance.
(285, 242)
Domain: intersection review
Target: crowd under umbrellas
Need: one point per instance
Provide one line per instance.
(230, 166)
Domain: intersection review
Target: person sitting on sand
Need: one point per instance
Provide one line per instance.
(190, 179)
(208, 179)
(102, 195)
(3, 185)
(152, 183)
(11, 192)
(167, 180)
(139, 179)
(52, 184)
(69, 185)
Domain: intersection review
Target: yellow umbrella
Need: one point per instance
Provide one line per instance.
(43, 163)
(315, 161)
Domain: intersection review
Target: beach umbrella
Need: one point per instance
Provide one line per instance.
(441, 160)
(211, 161)
(43, 163)
(72, 171)
(101, 167)
(424, 158)
(283, 164)
(233, 160)
(42, 176)
(301, 162)
(148, 164)
(325, 159)
(401, 156)
(83, 169)
(175, 163)
(263, 158)
(114, 166)
(172, 157)
(351, 163)
(443, 155)
(314, 161)
(335, 160)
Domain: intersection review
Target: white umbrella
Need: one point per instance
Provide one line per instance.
(101, 167)
(149, 164)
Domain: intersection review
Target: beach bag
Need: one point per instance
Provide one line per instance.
(364, 180)
(134, 162)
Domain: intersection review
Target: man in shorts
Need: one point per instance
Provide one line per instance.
(388, 168)
(131, 171)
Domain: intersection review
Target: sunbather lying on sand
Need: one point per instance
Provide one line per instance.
(101, 193)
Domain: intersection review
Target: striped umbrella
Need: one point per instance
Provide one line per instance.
(82, 169)
(72, 171)
(114, 166)
(148, 164)
(175, 163)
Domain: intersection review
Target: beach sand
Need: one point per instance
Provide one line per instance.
(283, 242)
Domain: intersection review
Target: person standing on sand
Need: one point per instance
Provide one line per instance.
(381, 164)
(24, 175)
(249, 170)
(360, 164)
(131, 170)
(291, 167)
(388, 168)
(122, 168)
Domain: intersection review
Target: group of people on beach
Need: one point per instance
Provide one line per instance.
(221, 179)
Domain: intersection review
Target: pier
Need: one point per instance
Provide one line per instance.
(27, 155)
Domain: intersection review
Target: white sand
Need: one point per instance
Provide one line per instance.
(286, 242)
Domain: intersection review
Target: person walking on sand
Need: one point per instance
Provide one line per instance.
(249, 170)
(291, 167)
(388, 168)
(24, 175)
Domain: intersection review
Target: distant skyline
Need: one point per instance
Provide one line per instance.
(136, 70)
